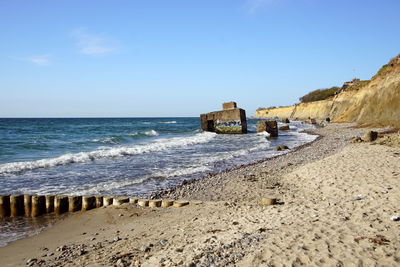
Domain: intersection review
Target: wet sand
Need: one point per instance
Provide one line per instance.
(335, 201)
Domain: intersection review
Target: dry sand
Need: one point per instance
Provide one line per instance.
(335, 204)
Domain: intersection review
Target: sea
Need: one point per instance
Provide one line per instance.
(119, 156)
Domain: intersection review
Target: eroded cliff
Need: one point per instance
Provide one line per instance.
(373, 102)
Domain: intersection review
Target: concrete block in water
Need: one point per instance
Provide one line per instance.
(49, 203)
(60, 204)
(4, 205)
(88, 203)
(27, 205)
(99, 201)
(117, 201)
(269, 126)
(38, 205)
(17, 205)
(155, 203)
(167, 203)
(143, 202)
(133, 200)
(107, 200)
(74, 203)
(180, 203)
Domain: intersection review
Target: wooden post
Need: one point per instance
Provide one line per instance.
(74, 203)
(117, 201)
(99, 201)
(107, 200)
(133, 200)
(166, 203)
(154, 203)
(143, 202)
(28, 205)
(16, 205)
(60, 204)
(38, 205)
(49, 203)
(4, 205)
(180, 203)
(88, 203)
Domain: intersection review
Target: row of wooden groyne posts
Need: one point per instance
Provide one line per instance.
(36, 205)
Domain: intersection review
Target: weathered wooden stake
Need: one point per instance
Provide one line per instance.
(38, 205)
(60, 204)
(88, 203)
(155, 203)
(28, 205)
(107, 200)
(166, 203)
(99, 201)
(4, 205)
(133, 200)
(49, 203)
(117, 201)
(74, 203)
(181, 203)
(143, 202)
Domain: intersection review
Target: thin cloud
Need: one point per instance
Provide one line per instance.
(94, 44)
(40, 60)
(253, 6)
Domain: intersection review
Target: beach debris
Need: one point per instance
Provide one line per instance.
(395, 218)
(284, 128)
(356, 139)
(378, 239)
(31, 262)
(281, 148)
(358, 198)
(267, 201)
(370, 136)
(311, 121)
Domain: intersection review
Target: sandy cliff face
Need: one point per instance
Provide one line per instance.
(377, 102)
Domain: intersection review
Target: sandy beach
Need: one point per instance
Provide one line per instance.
(335, 203)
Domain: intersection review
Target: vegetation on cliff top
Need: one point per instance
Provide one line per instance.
(319, 94)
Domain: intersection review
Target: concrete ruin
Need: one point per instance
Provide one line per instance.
(230, 120)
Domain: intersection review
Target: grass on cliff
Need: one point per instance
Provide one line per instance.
(319, 94)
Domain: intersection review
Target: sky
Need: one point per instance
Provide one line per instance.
(131, 58)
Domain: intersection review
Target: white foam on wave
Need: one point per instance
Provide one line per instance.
(156, 145)
(267, 134)
(112, 139)
(151, 133)
(168, 122)
(107, 186)
(147, 133)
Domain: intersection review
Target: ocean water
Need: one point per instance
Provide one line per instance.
(122, 156)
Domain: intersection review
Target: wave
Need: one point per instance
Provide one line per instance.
(109, 140)
(168, 122)
(155, 146)
(147, 133)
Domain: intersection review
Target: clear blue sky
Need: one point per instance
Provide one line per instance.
(182, 58)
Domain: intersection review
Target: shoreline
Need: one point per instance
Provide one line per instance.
(161, 192)
(229, 226)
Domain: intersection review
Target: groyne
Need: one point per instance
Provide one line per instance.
(37, 205)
